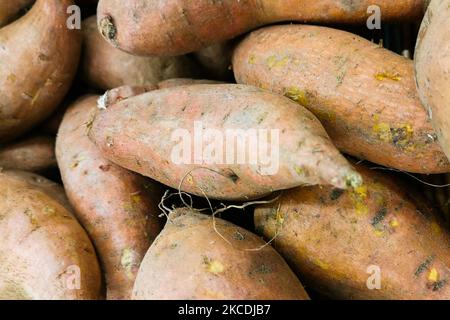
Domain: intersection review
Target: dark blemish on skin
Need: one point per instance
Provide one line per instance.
(105, 167)
(399, 136)
(381, 214)
(424, 266)
(263, 269)
(336, 194)
(233, 176)
(238, 235)
(43, 57)
(184, 108)
(438, 285)
(226, 117)
(108, 29)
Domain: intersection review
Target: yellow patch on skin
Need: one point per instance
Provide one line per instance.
(215, 267)
(436, 228)
(359, 196)
(379, 233)
(394, 223)
(361, 191)
(136, 198)
(274, 62)
(381, 76)
(383, 131)
(299, 170)
(12, 77)
(401, 136)
(49, 210)
(189, 179)
(433, 276)
(321, 264)
(297, 95)
(127, 262)
(251, 59)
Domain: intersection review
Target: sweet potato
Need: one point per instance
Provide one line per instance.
(364, 95)
(190, 260)
(106, 67)
(124, 92)
(432, 64)
(118, 208)
(38, 60)
(36, 153)
(152, 134)
(337, 240)
(9, 9)
(50, 188)
(175, 27)
(44, 252)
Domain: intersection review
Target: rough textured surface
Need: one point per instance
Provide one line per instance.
(142, 134)
(432, 61)
(189, 260)
(331, 238)
(44, 253)
(364, 95)
(34, 154)
(174, 27)
(37, 71)
(106, 67)
(118, 208)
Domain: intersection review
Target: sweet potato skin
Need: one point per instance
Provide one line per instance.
(138, 134)
(50, 188)
(365, 96)
(42, 246)
(118, 208)
(331, 237)
(10, 9)
(33, 154)
(36, 73)
(432, 65)
(175, 27)
(106, 67)
(189, 260)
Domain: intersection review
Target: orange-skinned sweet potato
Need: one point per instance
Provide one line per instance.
(155, 134)
(432, 64)
(36, 153)
(38, 60)
(106, 67)
(50, 188)
(174, 27)
(340, 241)
(189, 260)
(44, 252)
(118, 208)
(9, 9)
(364, 95)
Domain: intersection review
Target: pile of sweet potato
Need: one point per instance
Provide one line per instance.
(256, 150)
